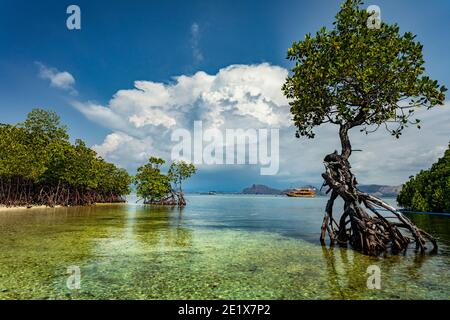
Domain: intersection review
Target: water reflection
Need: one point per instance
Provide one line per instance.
(347, 272)
(161, 225)
(438, 226)
(333, 276)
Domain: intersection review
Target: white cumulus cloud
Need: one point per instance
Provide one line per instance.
(58, 79)
(241, 93)
(124, 150)
(142, 119)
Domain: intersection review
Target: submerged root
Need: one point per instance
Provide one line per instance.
(361, 224)
(172, 199)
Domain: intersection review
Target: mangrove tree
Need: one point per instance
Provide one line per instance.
(366, 76)
(155, 187)
(39, 166)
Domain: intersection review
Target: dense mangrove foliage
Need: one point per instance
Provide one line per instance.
(429, 190)
(39, 166)
(155, 187)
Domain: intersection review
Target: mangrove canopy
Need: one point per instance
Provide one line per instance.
(156, 187)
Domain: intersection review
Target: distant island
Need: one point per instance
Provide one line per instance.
(261, 189)
(380, 190)
(373, 189)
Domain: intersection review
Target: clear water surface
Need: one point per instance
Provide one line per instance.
(218, 247)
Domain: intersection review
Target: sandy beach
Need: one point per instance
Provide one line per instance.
(24, 208)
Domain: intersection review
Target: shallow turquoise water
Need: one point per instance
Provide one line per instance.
(233, 247)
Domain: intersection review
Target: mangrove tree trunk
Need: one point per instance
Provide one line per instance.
(361, 224)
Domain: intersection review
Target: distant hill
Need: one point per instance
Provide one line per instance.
(380, 190)
(260, 189)
(373, 189)
(263, 189)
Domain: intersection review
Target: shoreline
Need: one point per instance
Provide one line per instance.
(4, 208)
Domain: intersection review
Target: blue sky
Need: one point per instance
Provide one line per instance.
(126, 41)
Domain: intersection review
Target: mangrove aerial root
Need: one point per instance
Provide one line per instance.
(371, 233)
(18, 191)
(172, 199)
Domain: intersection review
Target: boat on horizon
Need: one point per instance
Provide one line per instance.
(301, 193)
(209, 193)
